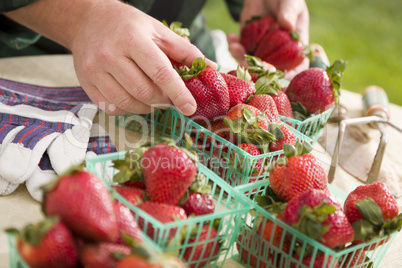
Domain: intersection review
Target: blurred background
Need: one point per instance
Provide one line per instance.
(365, 33)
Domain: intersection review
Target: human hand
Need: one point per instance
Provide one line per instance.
(120, 57)
(291, 15)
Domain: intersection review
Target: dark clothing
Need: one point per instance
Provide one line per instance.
(16, 40)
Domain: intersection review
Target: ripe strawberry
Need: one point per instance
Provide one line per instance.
(254, 30)
(355, 259)
(218, 127)
(266, 104)
(202, 249)
(240, 87)
(126, 222)
(84, 204)
(281, 48)
(320, 260)
(168, 172)
(208, 88)
(317, 89)
(46, 244)
(297, 172)
(199, 204)
(249, 125)
(133, 195)
(253, 150)
(282, 104)
(137, 261)
(162, 212)
(373, 211)
(101, 255)
(288, 139)
(135, 184)
(318, 215)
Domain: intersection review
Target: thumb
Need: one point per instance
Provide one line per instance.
(288, 12)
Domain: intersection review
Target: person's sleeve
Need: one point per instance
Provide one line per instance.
(235, 7)
(8, 5)
(12, 34)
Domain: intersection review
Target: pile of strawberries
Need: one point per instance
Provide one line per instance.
(299, 197)
(85, 226)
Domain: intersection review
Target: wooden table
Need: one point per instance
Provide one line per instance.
(19, 209)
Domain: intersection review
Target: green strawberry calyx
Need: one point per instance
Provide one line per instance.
(198, 66)
(242, 73)
(129, 167)
(33, 233)
(372, 224)
(300, 148)
(175, 26)
(248, 131)
(271, 202)
(335, 73)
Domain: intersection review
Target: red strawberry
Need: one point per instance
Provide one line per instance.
(168, 172)
(218, 127)
(84, 204)
(253, 150)
(46, 244)
(239, 86)
(319, 261)
(249, 125)
(133, 195)
(373, 211)
(202, 249)
(355, 259)
(136, 261)
(164, 213)
(282, 49)
(317, 89)
(283, 104)
(199, 204)
(288, 139)
(297, 173)
(135, 184)
(208, 88)
(266, 104)
(254, 30)
(101, 255)
(318, 215)
(127, 223)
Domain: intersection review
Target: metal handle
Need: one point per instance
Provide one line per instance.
(320, 58)
(375, 102)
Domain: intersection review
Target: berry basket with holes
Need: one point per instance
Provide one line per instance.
(198, 226)
(311, 126)
(236, 164)
(265, 238)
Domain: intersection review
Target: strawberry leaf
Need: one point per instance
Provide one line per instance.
(370, 211)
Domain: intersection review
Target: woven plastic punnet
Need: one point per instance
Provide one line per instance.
(312, 126)
(16, 261)
(256, 250)
(231, 207)
(234, 165)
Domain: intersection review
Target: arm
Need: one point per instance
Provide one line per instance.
(120, 53)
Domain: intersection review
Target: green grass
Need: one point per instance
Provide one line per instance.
(365, 33)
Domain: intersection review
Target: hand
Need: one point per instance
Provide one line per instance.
(291, 15)
(120, 60)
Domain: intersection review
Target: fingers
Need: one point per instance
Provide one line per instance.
(155, 64)
(293, 16)
(236, 49)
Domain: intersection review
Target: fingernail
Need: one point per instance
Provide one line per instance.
(188, 109)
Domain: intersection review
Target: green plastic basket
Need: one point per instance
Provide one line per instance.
(312, 126)
(231, 207)
(244, 249)
(224, 158)
(16, 261)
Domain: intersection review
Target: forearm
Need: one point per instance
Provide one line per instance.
(59, 20)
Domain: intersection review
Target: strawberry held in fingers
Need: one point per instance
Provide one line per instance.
(317, 214)
(254, 30)
(317, 89)
(84, 205)
(47, 244)
(168, 172)
(373, 211)
(297, 172)
(208, 88)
